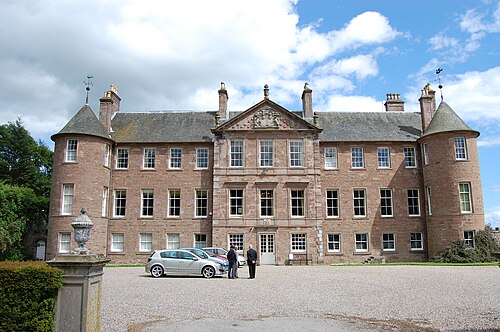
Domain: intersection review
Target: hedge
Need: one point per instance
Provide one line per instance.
(28, 294)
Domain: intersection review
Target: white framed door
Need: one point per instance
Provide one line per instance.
(267, 249)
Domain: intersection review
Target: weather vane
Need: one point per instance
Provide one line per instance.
(88, 83)
(440, 86)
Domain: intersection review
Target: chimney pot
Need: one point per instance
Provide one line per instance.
(307, 101)
(223, 98)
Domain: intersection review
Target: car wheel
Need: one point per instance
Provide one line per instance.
(157, 271)
(208, 272)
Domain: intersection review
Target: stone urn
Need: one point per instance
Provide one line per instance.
(82, 226)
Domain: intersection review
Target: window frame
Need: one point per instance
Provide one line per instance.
(357, 157)
(266, 153)
(297, 210)
(465, 198)
(470, 238)
(334, 245)
(267, 206)
(428, 194)
(383, 203)
(388, 239)
(107, 155)
(144, 241)
(198, 242)
(202, 158)
(383, 160)
(149, 159)
(425, 153)
(122, 155)
(174, 203)
(236, 202)
(104, 207)
(410, 157)
(66, 242)
(419, 238)
(332, 204)
(118, 206)
(360, 190)
(236, 153)
(71, 152)
(198, 206)
(460, 144)
(147, 196)
(67, 200)
(331, 157)
(170, 244)
(361, 242)
(237, 240)
(114, 241)
(175, 158)
(296, 153)
(410, 200)
(298, 242)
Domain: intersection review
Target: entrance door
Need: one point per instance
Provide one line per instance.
(267, 252)
(40, 250)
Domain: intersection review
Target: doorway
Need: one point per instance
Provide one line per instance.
(267, 249)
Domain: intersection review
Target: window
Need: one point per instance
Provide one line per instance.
(237, 241)
(64, 243)
(202, 158)
(332, 203)
(121, 158)
(465, 198)
(361, 242)
(357, 157)
(174, 203)
(236, 202)
(297, 203)
(426, 154)
(106, 155)
(71, 149)
(297, 153)
(413, 202)
(460, 148)
(388, 242)
(120, 203)
(331, 158)
(175, 158)
(298, 242)
(200, 240)
(469, 238)
(410, 158)
(67, 199)
(149, 161)
(237, 153)
(173, 241)
(383, 157)
(386, 202)
(359, 197)
(266, 203)
(334, 242)
(429, 200)
(266, 153)
(104, 208)
(201, 209)
(147, 203)
(117, 241)
(416, 241)
(145, 242)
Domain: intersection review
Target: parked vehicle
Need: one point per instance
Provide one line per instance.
(221, 252)
(181, 262)
(208, 255)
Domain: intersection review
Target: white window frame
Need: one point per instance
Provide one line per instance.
(121, 158)
(334, 242)
(331, 158)
(383, 157)
(149, 158)
(332, 203)
(425, 152)
(64, 242)
(386, 202)
(71, 155)
(199, 242)
(104, 208)
(236, 202)
(411, 200)
(117, 242)
(118, 200)
(175, 158)
(465, 192)
(201, 203)
(147, 202)
(107, 154)
(358, 198)
(174, 203)
(460, 148)
(173, 240)
(268, 201)
(236, 240)
(358, 242)
(266, 153)
(68, 195)
(298, 242)
(410, 157)
(357, 157)
(145, 242)
(416, 238)
(388, 239)
(296, 153)
(202, 155)
(470, 238)
(297, 203)
(428, 193)
(236, 153)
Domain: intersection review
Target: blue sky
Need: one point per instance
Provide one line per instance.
(172, 55)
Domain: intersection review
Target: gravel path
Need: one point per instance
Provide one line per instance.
(291, 298)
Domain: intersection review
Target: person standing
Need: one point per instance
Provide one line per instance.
(252, 261)
(232, 257)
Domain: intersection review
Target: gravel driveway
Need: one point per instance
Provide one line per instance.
(297, 298)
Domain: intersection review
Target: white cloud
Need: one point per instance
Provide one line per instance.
(353, 104)
(440, 41)
(488, 142)
(492, 217)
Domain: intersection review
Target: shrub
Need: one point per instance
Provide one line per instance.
(28, 294)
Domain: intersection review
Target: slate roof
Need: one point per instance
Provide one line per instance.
(84, 122)
(445, 119)
(159, 127)
(369, 126)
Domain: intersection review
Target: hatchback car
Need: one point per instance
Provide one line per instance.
(210, 256)
(221, 252)
(181, 262)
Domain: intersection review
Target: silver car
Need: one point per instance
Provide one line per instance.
(181, 262)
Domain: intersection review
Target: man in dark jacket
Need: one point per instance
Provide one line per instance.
(232, 257)
(252, 261)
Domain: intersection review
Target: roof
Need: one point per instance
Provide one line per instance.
(444, 120)
(369, 126)
(161, 127)
(84, 122)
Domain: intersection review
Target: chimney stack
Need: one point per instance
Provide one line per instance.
(394, 103)
(427, 105)
(307, 101)
(109, 105)
(223, 97)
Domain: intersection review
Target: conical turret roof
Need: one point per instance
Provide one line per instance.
(84, 122)
(445, 120)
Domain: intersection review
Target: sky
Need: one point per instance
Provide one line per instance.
(173, 55)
